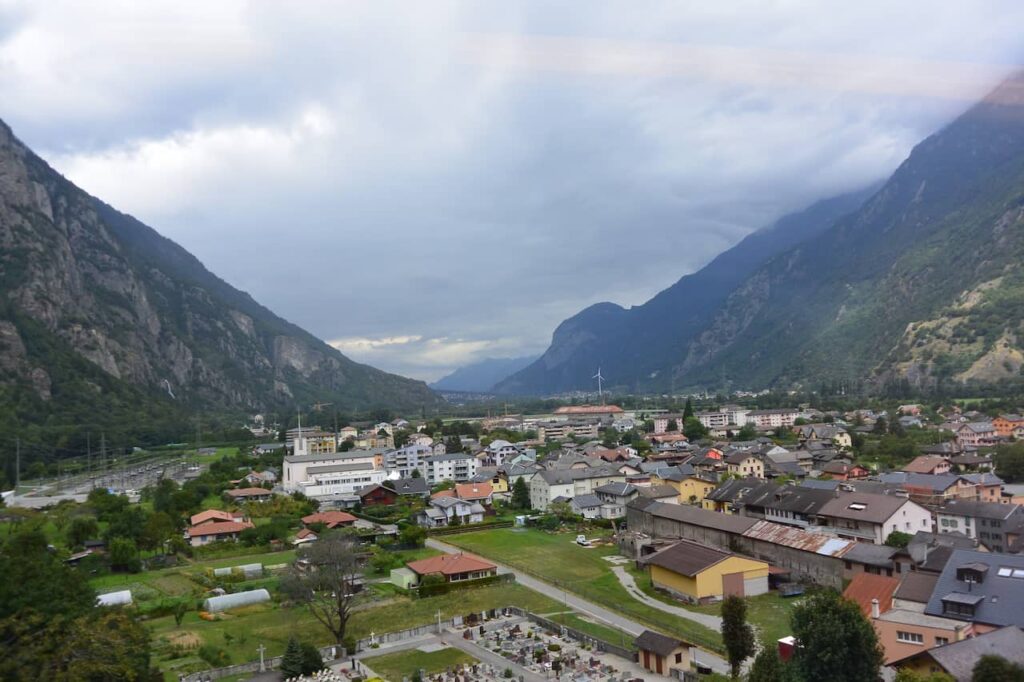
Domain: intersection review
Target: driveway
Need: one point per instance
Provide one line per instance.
(716, 663)
(713, 622)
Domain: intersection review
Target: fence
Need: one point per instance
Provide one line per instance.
(328, 653)
(468, 528)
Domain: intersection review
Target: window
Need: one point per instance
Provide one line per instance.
(679, 658)
(939, 641)
(909, 637)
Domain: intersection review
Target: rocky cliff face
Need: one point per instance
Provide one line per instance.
(80, 281)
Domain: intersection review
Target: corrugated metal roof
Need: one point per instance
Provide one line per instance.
(788, 536)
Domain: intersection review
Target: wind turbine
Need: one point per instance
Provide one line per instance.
(599, 378)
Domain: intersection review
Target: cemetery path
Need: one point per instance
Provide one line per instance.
(483, 655)
(717, 663)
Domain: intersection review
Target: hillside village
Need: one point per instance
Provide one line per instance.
(679, 509)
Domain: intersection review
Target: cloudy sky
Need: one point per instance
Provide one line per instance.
(428, 183)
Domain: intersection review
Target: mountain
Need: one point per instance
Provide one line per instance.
(920, 285)
(635, 347)
(101, 316)
(480, 377)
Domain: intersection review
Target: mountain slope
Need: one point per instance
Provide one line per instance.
(97, 309)
(480, 377)
(924, 282)
(635, 347)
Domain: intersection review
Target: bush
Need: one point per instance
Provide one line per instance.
(214, 655)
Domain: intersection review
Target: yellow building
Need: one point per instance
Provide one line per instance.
(700, 574)
(692, 488)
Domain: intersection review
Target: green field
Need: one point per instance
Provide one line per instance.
(239, 633)
(404, 664)
(593, 628)
(557, 559)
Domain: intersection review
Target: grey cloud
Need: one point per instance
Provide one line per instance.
(464, 176)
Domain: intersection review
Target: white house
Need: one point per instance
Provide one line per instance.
(547, 486)
(333, 473)
(872, 517)
(456, 466)
(442, 510)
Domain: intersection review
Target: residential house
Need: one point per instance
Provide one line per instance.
(690, 486)
(928, 464)
(844, 471)
(872, 517)
(442, 511)
(658, 493)
(983, 588)
(547, 485)
(663, 421)
(615, 497)
(249, 494)
(830, 433)
(1005, 424)
(958, 658)
(872, 593)
(578, 428)
(408, 458)
(215, 516)
(498, 452)
(904, 633)
(412, 487)
(974, 435)
(457, 466)
(727, 497)
(931, 490)
(997, 526)
(588, 506)
(864, 557)
(789, 504)
(662, 655)
(216, 531)
(972, 463)
(453, 567)
(261, 477)
(745, 464)
(378, 494)
(304, 537)
(475, 492)
(988, 487)
(700, 574)
(330, 519)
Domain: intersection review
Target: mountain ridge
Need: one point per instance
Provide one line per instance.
(100, 286)
(481, 376)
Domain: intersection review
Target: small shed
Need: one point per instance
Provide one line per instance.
(121, 598)
(236, 600)
(403, 578)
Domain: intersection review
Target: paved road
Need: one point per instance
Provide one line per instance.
(716, 663)
(713, 622)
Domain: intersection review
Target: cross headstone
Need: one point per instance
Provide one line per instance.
(263, 666)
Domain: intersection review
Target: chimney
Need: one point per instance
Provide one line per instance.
(874, 608)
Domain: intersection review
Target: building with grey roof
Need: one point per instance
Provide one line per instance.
(980, 587)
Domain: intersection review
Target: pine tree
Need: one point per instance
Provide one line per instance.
(688, 410)
(520, 494)
(291, 662)
(737, 634)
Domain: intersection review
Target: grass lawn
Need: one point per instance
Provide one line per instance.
(557, 559)
(404, 664)
(768, 612)
(239, 632)
(594, 629)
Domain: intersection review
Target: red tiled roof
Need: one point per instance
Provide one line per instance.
(305, 533)
(331, 519)
(924, 464)
(473, 491)
(222, 528)
(212, 515)
(450, 564)
(867, 586)
(248, 492)
(443, 493)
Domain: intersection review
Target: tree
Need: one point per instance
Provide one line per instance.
(328, 587)
(124, 555)
(687, 410)
(180, 609)
(291, 661)
(880, 427)
(521, 494)
(36, 579)
(693, 429)
(412, 535)
(82, 528)
(834, 640)
(746, 432)
(312, 661)
(415, 474)
(737, 635)
(1009, 461)
(158, 530)
(992, 668)
(673, 425)
(898, 539)
(767, 666)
